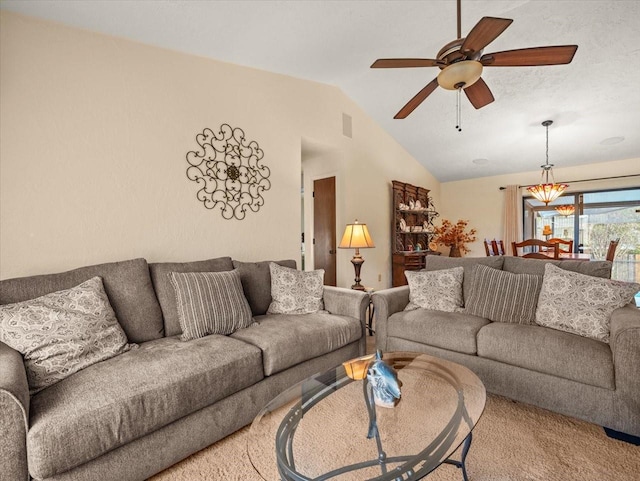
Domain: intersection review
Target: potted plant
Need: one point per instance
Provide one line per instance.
(455, 236)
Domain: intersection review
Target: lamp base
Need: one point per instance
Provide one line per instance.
(357, 262)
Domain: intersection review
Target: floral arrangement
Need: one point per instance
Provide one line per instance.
(455, 235)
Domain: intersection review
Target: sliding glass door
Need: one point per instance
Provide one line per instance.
(598, 218)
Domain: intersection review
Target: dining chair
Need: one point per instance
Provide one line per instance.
(487, 248)
(493, 248)
(498, 247)
(561, 242)
(552, 251)
(611, 252)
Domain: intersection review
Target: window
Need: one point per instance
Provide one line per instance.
(599, 217)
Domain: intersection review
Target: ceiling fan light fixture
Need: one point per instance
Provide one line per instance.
(461, 74)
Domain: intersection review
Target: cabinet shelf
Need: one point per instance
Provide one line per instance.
(418, 211)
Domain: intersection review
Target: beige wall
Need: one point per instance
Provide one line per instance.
(482, 203)
(94, 132)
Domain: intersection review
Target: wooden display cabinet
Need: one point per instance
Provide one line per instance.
(412, 229)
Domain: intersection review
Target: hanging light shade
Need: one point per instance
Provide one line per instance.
(547, 191)
(566, 210)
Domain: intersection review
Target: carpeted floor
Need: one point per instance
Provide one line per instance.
(511, 442)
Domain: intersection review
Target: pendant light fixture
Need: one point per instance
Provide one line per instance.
(547, 192)
(566, 210)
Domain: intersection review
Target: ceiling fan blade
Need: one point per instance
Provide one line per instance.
(405, 62)
(417, 100)
(484, 32)
(479, 94)
(531, 57)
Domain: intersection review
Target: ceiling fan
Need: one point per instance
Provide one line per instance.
(462, 60)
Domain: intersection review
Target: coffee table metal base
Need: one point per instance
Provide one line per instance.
(463, 457)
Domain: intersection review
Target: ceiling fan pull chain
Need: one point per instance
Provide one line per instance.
(458, 112)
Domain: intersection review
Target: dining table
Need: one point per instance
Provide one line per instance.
(574, 256)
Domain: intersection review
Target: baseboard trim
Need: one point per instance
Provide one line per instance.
(627, 438)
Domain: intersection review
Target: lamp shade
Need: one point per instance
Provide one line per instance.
(356, 236)
(566, 210)
(547, 192)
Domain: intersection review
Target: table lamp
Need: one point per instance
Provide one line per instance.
(356, 236)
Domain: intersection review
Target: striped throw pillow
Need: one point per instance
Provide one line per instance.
(210, 303)
(503, 296)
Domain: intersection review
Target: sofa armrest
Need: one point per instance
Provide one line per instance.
(348, 302)
(625, 346)
(386, 303)
(14, 415)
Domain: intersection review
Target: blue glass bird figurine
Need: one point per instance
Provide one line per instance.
(384, 381)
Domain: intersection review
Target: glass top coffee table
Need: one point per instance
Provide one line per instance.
(318, 429)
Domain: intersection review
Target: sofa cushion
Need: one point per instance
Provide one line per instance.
(62, 332)
(294, 291)
(454, 331)
(434, 263)
(256, 283)
(548, 351)
(126, 283)
(519, 265)
(504, 296)
(117, 401)
(581, 304)
(289, 339)
(167, 295)
(210, 303)
(440, 290)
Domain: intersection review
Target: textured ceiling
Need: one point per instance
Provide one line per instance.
(592, 101)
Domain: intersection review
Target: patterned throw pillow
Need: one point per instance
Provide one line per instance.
(62, 332)
(439, 290)
(503, 296)
(294, 291)
(579, 303)
(210, 303)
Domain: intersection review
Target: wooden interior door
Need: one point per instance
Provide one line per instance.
(324, 228)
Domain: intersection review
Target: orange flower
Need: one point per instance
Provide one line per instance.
(450, 234)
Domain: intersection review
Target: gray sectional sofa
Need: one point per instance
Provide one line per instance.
(556, 370)
(133, 415)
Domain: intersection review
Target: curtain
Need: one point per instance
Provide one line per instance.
(512, 217)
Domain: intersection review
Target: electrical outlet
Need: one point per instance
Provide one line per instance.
(379, 277)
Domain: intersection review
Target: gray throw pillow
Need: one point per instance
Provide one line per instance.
(63, 332)
(581, 304)
(439, 290)
(503, 296)
(210, 303)
(294, 291)
(256, 283)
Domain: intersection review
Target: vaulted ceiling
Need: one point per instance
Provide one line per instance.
(594, 101)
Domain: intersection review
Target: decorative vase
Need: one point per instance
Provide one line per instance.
(455, 251)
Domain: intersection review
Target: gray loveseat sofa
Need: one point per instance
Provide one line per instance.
(133, 415)
(556, 370)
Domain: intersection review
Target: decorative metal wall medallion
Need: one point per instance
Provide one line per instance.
(230, 172)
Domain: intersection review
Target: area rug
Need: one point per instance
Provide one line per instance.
(511, 442)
